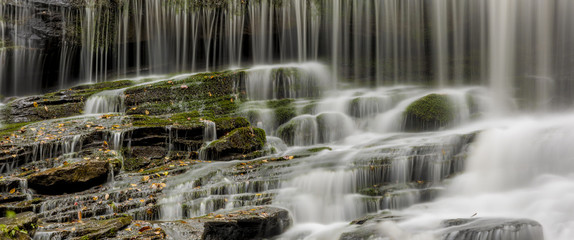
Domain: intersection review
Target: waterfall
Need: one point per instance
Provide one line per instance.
(373, 42)
(105, 102)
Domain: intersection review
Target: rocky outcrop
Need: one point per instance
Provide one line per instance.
(429, 113)
(239, 142)
(71, 178)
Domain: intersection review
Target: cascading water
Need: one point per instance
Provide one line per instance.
(339, 150)
(105, 102)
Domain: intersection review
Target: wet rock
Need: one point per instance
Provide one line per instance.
(72, 178)
(247, 223)
(20, 206)
(239, 142)
(20, 226)
(429, 113)
(87, 230)
(496, 229)
(142, 156)
(367, 227)
(142, 230)
(260, 222)
(64, 103)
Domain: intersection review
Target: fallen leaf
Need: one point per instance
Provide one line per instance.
(35, 104)
(145, 228)
(146, 112)
(12, 191)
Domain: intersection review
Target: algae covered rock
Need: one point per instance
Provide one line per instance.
(71, 178)
(239, 142)
(227, 124)
(429, 113)
(19, 226)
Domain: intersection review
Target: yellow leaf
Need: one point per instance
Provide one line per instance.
(35, 104)
(145, 178)
(141, 200)
(12, 191)
(134, 185)
(165, 173)
(291, 157)
(146, 112)
(95, 198)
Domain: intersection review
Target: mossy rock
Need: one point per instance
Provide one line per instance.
(227, 124)
(19, 226)
(430, 113)
(283, 110)
(239, 142)
(211, 94)
(302, 130)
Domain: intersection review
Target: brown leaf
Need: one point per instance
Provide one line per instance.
(145, 228)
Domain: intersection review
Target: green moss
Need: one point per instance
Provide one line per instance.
(185, 119)
(287, 132)
(210, 94)
(239, 142)
(284, 114)
(9, 129)
(319, 149)
(283, 110)
(431, 112)
(279, 103)
(227, 124)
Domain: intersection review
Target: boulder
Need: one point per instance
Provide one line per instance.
(429, 113)
(241, 141)
(71, 178)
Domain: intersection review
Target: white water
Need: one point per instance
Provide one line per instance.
(106, 102)
(518, 168)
